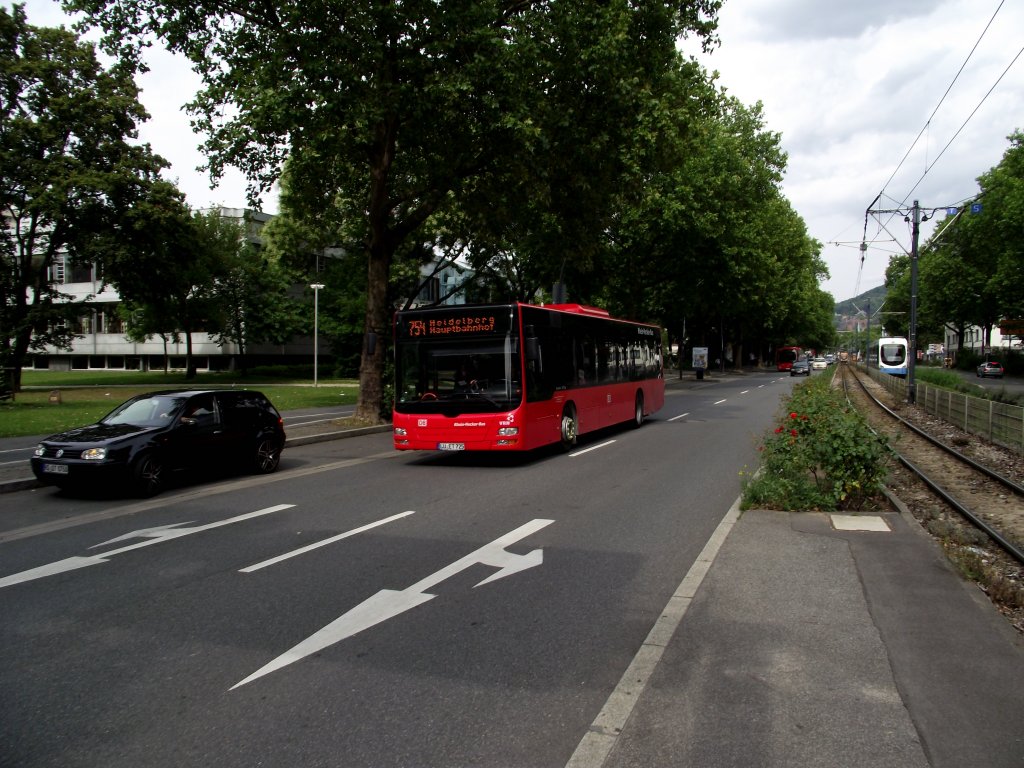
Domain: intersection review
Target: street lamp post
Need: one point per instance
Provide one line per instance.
(316, 322)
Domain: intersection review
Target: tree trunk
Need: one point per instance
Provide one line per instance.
(380, 251)
(371, 366)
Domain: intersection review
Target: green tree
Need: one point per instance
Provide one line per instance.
(67, 126)
(162, 259)
(389, 112)
(1000, 227)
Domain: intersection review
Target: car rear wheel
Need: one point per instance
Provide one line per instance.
(148, 475)
(267, 456)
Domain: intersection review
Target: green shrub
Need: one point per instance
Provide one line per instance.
(821, 455)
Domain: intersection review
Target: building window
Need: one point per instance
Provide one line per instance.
(430, 293)
(79, 273)
(108, 320)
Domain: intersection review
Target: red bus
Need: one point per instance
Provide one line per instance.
(786, 356)
(460, 374)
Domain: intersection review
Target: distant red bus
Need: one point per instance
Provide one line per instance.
(786, 356)
(514, 377)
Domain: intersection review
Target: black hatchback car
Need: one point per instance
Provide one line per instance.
(150, 436)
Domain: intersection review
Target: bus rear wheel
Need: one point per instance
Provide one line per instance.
(569, 428)
(638, 410)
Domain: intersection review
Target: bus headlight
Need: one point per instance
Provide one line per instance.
(400, 432)
(508, 431)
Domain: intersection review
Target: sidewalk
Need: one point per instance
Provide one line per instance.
(806, 645)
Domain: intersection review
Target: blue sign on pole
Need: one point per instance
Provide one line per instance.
(975, 207)
(952, 211)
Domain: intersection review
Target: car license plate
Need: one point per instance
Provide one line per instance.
(56, 469)
(451, 446)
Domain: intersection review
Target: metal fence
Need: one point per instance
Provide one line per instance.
(999, 423)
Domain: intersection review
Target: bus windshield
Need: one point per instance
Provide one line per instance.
(478, 375)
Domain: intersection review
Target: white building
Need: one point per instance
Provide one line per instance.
(101, 343)
(974, 340)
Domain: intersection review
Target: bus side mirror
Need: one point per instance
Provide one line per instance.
(532, 349)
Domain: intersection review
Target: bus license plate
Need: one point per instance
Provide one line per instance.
(451, 446)
(56, 469)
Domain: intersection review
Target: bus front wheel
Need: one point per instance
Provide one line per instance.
(570, 427)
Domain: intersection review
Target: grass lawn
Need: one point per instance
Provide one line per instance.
(86, 396)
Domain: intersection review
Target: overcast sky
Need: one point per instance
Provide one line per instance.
(849, 86)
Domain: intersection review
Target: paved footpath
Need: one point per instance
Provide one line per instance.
(806, 645)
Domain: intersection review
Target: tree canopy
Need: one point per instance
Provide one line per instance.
(389, 112)
(537, 142)
(69, 163)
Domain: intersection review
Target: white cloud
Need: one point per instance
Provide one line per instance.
(850, 87)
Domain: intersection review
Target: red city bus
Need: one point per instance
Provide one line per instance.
(786, 356)
(514, 377)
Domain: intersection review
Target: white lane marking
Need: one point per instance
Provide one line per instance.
(600, 739)
(680, 416)
(324, 543)
(720, 401)
(388, 603)
(760, 386)
(203, 492)
(744, 391)
(151, 536)
(592, 448)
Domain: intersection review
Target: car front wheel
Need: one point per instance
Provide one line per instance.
(148, 475)
(267, 456)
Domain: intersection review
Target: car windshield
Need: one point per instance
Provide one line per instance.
(146, 412)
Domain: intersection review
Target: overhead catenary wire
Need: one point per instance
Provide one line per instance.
(949, 88)
(924, 129)
(964, 124)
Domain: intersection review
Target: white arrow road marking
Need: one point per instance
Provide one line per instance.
(389, 603)
(151, 536)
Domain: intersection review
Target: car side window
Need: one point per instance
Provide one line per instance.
(201, 410)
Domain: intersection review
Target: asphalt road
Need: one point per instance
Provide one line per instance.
(362, 607)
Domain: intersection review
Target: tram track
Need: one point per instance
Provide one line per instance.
(976, 512)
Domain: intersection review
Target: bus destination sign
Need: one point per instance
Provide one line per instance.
(449, 326)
